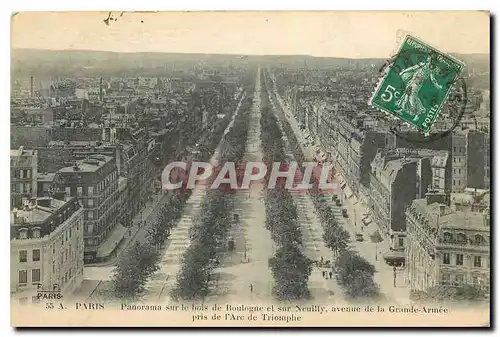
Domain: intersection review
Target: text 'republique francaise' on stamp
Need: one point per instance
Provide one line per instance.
(416, 84)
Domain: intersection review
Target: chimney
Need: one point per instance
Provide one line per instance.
(44, 202)
(486, 217)
(100, 90)
(13, 216)
(442, 209)
(433, 196)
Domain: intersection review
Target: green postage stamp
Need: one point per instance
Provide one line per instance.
(416, 83)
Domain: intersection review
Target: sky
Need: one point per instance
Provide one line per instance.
(330, 34)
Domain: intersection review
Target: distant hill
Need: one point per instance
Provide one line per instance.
(37, 62)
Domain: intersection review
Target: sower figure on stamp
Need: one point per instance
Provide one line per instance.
(414, 78)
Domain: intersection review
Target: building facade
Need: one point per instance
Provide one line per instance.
(394, 185)
(445, 246)
(46, 250)
(23, 173)
(94, 182)
(459, 164)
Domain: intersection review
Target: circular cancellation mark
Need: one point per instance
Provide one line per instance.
(456, 101)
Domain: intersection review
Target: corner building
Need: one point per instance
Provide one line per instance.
(94, 182)
(447, 246)
(46, 248)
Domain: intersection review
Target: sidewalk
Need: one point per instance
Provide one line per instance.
(133, 231)
(372, 252)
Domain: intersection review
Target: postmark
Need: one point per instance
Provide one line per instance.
(416, 84)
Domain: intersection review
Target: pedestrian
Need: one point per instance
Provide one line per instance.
(251, 289)
(322, 260)
(331, 274)
(324, 274)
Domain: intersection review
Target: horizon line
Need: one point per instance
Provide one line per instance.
(220, 54)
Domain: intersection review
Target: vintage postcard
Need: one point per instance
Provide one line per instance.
(250, 169)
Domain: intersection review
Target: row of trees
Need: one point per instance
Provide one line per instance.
(141, 260)
(290, 267)
(133, 270)
(209, 232)
(158, 231)
(355, 275)
(207, 236)
(352, 272)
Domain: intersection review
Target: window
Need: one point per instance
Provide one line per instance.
(23, 277)
(90, 202)
(36, 254)
(35, 275)
(23, 256)
(446, 258)
(459, 278)
(447, 236)
(461, 238)
(90, 190)
(23, 233)
(90, 229)
(477, 261)
(36, 233)
(454, 182)
(90, 214)
(401, 242)
(68, 191)
(445, 278)
(454, 159)
(478, 239)
(70, 230)
(460, 259)
(459, 182)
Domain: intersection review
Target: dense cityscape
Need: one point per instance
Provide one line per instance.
(89, 217)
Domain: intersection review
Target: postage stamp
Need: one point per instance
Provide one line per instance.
(417, 83)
